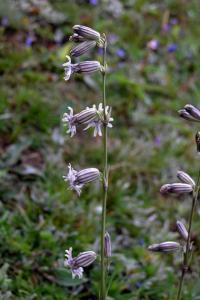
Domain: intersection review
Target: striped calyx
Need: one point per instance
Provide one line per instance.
(107, 245)
(185, 178)
(87, 175)
(82, 48)
(89, 66)
(165, 247)
(176, 188)
(190, 113)
(84, 259)
(87, 32)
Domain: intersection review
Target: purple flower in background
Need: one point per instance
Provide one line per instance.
(93, 2)
(152, 45)
(165, 27)
(4, 21)
(29, 40)
(171, 48)
(157, 141)
(173, 21)
(100, 51)
(120, 53)
(112, 38)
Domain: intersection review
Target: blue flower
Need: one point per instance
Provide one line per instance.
(171, 48)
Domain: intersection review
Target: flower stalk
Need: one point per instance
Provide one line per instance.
(188, 249)
(105, 179)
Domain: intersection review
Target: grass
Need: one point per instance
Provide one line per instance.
(40, 217)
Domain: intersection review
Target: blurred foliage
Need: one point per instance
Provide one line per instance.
(40, 217)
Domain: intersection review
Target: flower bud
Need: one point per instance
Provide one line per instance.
(193, 111)
(176, 188)
(182, 230)
(86, 32)
(107, 245)
(164, 247)
(184, 177)
(185, 115)
(197, 138)
(82, 48)
(87, 175)
(84, 259)
(89, 66)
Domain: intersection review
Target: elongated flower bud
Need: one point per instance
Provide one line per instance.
(164, 247)
(197, 138)
(82, 48)
(107, 245)
(86, 32)
(193, 111)
(87, 175)
(184, 177)
(89, 66)
(185, 115)
(176, 188)
(84, 259)
(182, 230)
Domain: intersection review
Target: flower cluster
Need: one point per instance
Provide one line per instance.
(186, 186)
(87, 39)
(94, 117)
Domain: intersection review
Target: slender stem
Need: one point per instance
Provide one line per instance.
(105, 180)
(188, 244)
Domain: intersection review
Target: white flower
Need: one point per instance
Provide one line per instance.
(77, 263)
(70, 262)
(69, 118)
(71, 178)
(99, 121)
(69, 68)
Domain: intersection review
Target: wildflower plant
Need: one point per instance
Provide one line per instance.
(99, 118)
(186, 186)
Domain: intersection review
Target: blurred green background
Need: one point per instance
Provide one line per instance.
(154, 62)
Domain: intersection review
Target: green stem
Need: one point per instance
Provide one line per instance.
(188, 250)
(105, 180)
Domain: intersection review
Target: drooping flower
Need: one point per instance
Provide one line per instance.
(99, 122)
(77, 263)
(165, 247)
(83, 117)
(77, 179)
